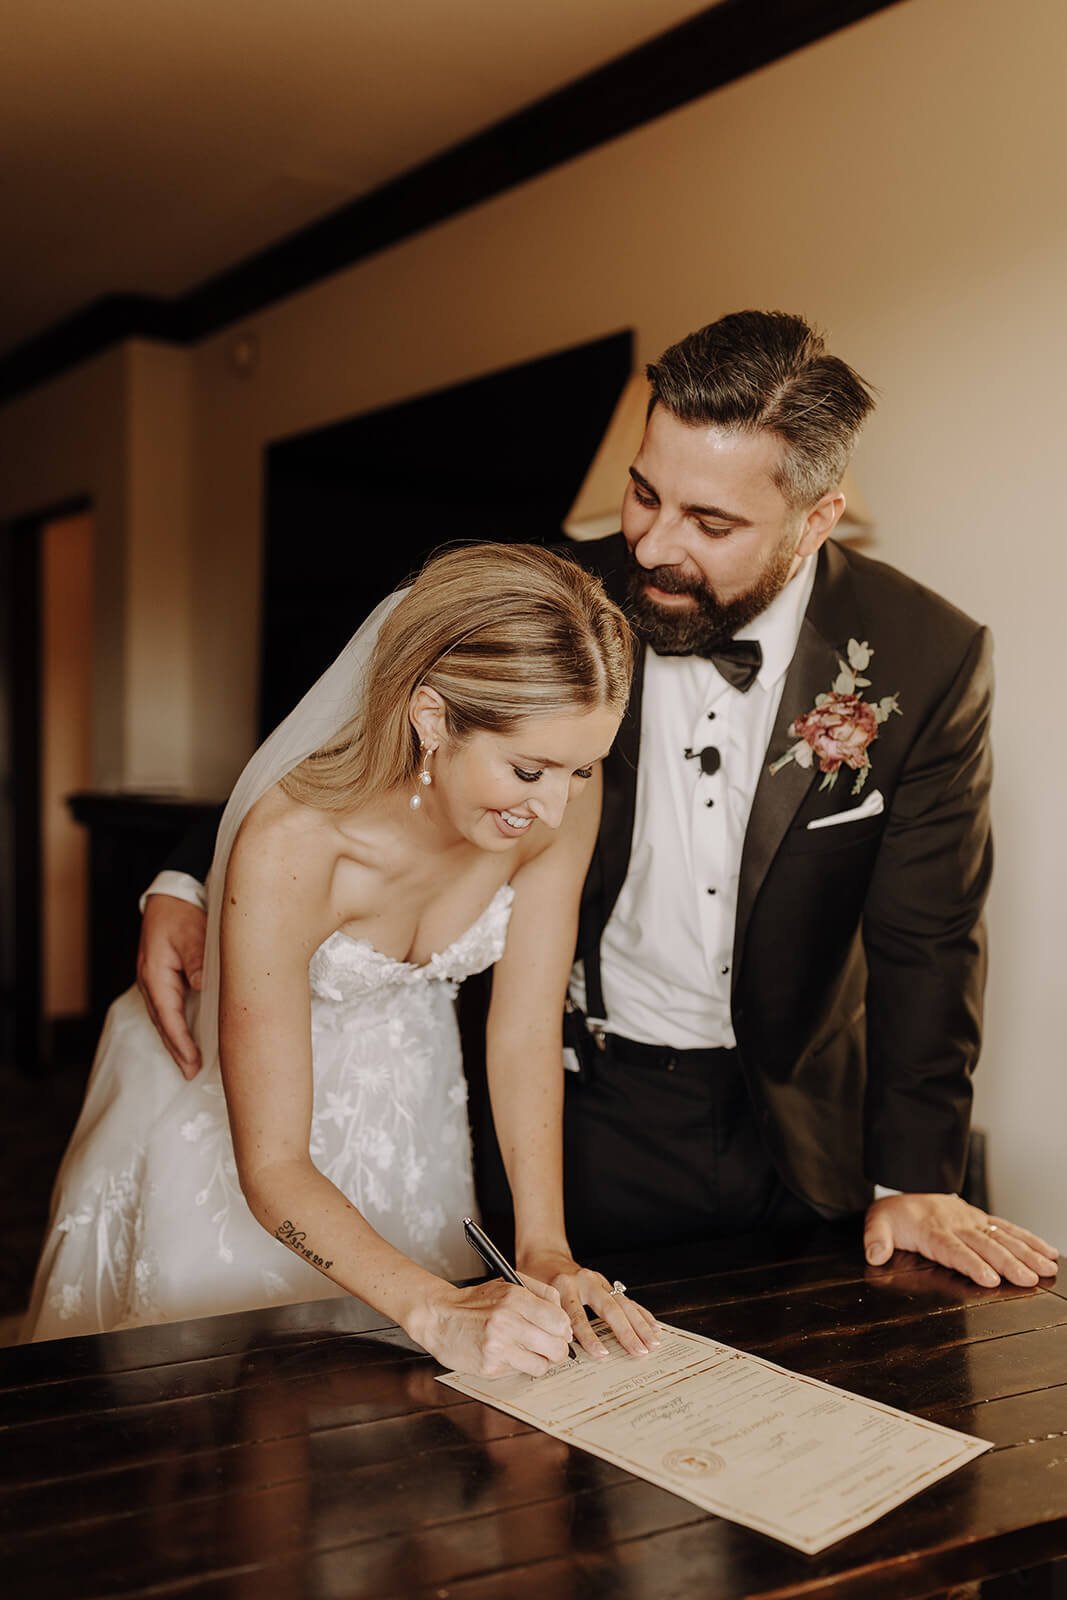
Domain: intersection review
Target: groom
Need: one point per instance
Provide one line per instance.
(776, 1005)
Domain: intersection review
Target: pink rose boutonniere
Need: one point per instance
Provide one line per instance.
(840, 727)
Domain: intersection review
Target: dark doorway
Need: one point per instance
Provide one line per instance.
(20, 765)
(354, 508)
(43, 726)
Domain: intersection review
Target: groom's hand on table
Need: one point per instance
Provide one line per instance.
(635, 1328)
(944, 1228)
(170, 959)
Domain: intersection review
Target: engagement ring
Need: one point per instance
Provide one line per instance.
(617, 1288)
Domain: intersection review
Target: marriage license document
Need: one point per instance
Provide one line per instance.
(791, 1456)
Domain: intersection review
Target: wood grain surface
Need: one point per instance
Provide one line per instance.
(274, 1454)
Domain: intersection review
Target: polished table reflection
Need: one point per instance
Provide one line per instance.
(274, 1454)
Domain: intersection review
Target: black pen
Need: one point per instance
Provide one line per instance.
(479, 1240)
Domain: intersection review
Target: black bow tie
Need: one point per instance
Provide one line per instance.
(738, 661)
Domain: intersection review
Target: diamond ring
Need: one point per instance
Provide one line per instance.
(617, 1288)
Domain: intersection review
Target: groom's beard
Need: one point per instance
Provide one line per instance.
(711, 622)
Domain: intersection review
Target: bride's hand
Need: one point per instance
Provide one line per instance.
(635, 1328)
(495, 1328)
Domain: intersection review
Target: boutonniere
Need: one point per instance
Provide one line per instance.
(841, 725)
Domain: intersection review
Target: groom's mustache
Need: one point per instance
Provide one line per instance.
(669, 579)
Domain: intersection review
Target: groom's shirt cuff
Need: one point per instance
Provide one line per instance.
(880, 1190)
(179, 884)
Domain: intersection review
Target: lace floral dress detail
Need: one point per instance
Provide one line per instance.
(148, 1220)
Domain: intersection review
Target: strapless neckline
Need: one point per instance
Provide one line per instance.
(503, 896)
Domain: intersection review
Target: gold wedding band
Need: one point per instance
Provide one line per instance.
(990, 1227)
(617, 1288)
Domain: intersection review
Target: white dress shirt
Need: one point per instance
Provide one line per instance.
(179, 884)
(667, 950)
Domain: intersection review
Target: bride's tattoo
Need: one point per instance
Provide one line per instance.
(288, 1233)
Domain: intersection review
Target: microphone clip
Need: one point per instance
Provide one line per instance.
(709, 758)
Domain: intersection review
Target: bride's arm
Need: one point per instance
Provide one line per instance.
(276, 911)
(524, 1058)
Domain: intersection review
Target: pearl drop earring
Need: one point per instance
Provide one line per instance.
(424, 778)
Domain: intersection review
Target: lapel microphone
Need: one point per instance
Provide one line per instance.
(709, 758)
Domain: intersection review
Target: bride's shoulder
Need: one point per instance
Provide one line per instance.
(281, 836)
(277, 895)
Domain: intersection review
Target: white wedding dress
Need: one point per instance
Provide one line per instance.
(148, 1221)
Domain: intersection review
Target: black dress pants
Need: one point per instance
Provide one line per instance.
(661, 1146)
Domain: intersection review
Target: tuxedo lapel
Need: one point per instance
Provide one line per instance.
(620, 797)
(811, 671)
(608, 559)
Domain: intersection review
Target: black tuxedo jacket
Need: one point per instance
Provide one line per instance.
(859, 956)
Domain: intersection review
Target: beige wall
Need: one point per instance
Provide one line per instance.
(62, 442)
(160, 577)
(117, 432)
(66, 758)
(901, 183)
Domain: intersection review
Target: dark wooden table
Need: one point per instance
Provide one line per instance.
(275, 1455)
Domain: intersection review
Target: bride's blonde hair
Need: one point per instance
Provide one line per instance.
(501, 632)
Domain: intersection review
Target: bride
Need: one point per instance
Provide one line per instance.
(428, 809)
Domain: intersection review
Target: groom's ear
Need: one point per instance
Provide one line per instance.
(427, 714)
(820, 522)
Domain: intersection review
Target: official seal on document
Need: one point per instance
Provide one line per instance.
(694, 1463)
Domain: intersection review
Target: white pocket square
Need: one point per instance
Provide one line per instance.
(873, 806)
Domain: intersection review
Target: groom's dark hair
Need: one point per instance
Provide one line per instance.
(767, 371)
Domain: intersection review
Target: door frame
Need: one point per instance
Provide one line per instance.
(22, 1034)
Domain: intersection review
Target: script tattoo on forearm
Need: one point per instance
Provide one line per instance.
(290, 1234)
